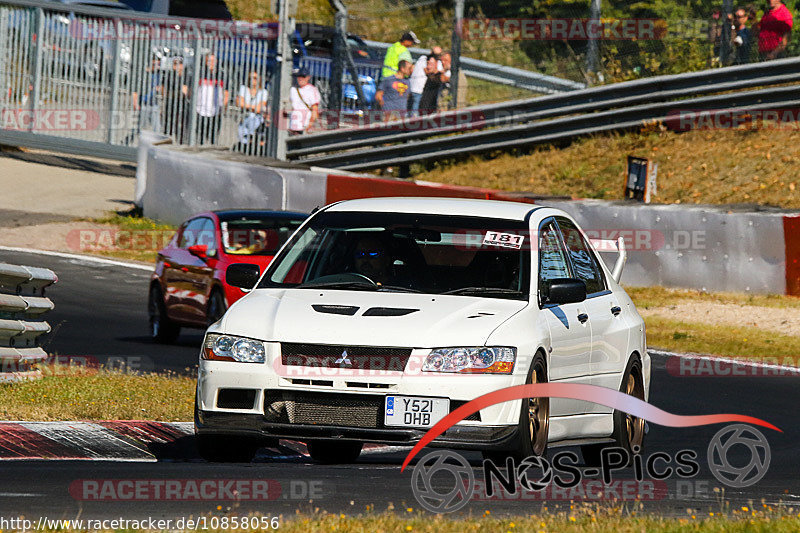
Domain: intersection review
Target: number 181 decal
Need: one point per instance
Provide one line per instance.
(506, 240)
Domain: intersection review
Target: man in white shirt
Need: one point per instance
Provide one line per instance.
(212, 97)
(418, 78)
(305, 99)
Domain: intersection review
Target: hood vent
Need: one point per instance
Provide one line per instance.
(348, 310)
(388, 311)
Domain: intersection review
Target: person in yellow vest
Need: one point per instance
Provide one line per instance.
(398, 52)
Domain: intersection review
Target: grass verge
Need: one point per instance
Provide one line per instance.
(645, 297)
(131, 237)
(727, 341)
(579, 521)
(90, 394)
(697, 167)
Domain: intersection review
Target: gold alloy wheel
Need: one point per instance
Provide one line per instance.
(538, 416)
(634, 426)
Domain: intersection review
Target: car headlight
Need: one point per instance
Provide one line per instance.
(479, 360)
(230, 348)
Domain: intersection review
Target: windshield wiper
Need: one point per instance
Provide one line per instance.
(395, 288)
(351, 285)
(484, 290)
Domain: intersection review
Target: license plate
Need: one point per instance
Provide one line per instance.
(413, 411)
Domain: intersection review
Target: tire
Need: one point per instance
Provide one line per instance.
(216, 306)
(628, 429)
(329, 453)
(162, 329)
(227, 449)
(534, 421)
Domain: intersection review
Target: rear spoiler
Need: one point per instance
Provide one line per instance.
(607, 245)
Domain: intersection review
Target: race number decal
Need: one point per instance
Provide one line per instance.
(506, 240)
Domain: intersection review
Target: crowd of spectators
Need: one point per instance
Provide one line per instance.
(770, 33)
(412, 88)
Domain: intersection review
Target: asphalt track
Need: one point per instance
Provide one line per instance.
(101, 312)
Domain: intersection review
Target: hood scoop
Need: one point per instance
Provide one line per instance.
(388, 311)
(481, 314)
(348, 310)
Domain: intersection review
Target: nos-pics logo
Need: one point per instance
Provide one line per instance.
(443, 481)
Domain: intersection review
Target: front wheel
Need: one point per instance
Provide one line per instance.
(534, 421)
(162, 329)
(328, 452)
(216, 306)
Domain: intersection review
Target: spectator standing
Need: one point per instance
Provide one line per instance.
(773, 30)
(398, 52)
(252, 99)
(212, 97)
(429, 103)
(742, 37)
(393, 92)
(419, 76)
(148, 102)
(176, 92)
(305, 99)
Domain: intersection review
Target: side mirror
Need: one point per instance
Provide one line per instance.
(242, 275)
(199, 250)
(564, 291)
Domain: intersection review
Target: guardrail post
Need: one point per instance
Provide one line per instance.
(36, 69)
(114, 97)
(194, 79)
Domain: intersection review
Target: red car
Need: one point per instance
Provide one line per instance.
(188, 287)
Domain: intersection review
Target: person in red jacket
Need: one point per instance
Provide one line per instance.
(774, 28)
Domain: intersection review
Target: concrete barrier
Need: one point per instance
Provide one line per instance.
(699, 247)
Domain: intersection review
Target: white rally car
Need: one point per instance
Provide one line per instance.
(381, 316)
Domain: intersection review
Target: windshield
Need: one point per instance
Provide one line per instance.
(432, 254)
(256, 236)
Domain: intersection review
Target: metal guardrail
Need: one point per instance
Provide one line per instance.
(20, 328)
(511, 76)
(548, 118)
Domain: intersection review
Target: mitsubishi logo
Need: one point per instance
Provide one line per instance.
(343, 360)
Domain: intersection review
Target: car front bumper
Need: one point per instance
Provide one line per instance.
(245, 424)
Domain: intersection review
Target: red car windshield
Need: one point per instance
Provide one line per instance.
(256, 236)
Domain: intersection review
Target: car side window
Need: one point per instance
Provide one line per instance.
(552, 256)
(584, 262)
(208, 236)
(191, 233)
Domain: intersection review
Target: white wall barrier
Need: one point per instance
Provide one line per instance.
(711, 248)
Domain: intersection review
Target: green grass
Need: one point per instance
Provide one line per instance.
(645, 297)
(573, 521)
(738, 342)
(150, 236)
(696, 167)
(87, 394)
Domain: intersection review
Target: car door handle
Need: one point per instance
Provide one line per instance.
(583, 317)
(616, 310)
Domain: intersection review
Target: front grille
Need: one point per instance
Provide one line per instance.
(331, 409)
(339, 356)
(324, 409)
